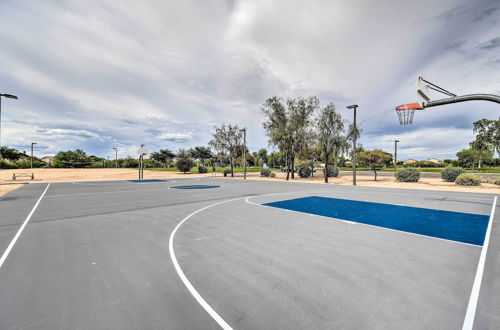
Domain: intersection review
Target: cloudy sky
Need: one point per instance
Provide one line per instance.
(99, 74)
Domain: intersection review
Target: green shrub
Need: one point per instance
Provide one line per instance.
(202, 169)
(468, 180)
(184, 164)
(408, 175)
(497, 181)
(273, 175)
(305, 171)
(227, 171)
(265, 172)
(332, 171)
(449, 174)
(7, 165)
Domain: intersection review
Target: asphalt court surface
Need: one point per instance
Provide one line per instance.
(95, 255)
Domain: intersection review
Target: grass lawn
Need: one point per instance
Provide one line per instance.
(429, 170)
(219, 169)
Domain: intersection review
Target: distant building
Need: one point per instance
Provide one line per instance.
(47, 160)
(409, 161)
(435, 160)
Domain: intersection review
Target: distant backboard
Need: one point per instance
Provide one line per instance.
(422, 90)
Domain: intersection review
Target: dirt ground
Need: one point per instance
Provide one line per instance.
(44, 175)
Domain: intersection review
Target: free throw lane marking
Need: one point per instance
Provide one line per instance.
(11, 245)
(474, 296)
(223, 324)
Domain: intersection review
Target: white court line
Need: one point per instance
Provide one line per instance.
(183, 277)
(11, 245)
(247, 200)
(474, 296)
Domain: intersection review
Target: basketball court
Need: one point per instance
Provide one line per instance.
(222, 253)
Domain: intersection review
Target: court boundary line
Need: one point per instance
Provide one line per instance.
(105, 192)
(217, 318)
(356, 223)
(20, 230)
(474, 296)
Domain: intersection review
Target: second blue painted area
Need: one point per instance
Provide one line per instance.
(456, 226)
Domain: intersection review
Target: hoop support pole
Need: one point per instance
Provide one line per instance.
(463, 98)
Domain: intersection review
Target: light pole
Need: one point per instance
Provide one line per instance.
(395, 158)
(116, 157)
(9, 96)
(354, 106)
(32, 144)
(244, 130)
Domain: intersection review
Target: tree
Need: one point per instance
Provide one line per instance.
(471, 157)
(9, 153)
(375, 159)
(201, 153)
(288, 125)
(227, 138)
(331, 143)
(276, 160)
(262, 153)
(487, 135)
(77, 158)
(163, 156)
(183, 161)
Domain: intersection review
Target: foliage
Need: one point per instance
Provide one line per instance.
(466, 179)
(408, 175)
(262, 153)
(449, 174)
(332, 171)
(7, 165)
(202, 153)
(497, 181)
(77, 158)
(273, 175)
(163, 156)
(265, 172)
(228, 171)
(305, 171)
(26, 163)
(183, 161)
(288, 125)
(202, 169)
(487, 135)
(10, 153)
(469, 157)
(331, 143)
(424, 163)
(276, 160)
(374, 159)
(227, 138)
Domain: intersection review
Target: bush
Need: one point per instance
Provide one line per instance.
(449, 174)
(7, 165)
(227, 171)
(202, 169)
(265, 172)
(332, 171)
(184, 164)
(408, 175)
(468, 180)
(305, 171)
(497, 181)
(273, 175)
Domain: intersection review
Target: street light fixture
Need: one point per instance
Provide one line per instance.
(354, 107)
(9, 96)
(396, 158)
(116, 157)
(32, 144)
(244, 130)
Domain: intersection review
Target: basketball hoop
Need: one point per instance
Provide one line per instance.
(406, 112)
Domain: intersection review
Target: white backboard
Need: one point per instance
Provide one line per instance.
(422, 89)
(142, 151)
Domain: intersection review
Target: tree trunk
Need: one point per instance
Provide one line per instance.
(287, 168)
(232, 167)
(326, 170)
(293, 167)
(375, 172)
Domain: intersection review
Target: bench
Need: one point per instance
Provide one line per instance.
(26, 175)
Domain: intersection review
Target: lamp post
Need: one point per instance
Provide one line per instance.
(9, 96)
(244, 130)
(116, 157)
(354, 106)
(32, 144)
(395, 158)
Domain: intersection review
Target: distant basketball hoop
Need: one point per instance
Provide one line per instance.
(406, 112)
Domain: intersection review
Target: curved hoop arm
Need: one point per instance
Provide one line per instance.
(463, 98)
